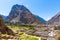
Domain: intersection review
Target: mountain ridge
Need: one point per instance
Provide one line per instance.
(55, 19)
(19, 13)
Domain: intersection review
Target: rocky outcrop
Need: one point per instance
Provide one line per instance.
(4, 29)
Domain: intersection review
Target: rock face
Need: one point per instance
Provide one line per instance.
(4, 29)
(21, 14)
(55, 19)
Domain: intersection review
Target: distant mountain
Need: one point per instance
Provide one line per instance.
(41, 19)
(4, 17)
(55, 19)
(20, 13)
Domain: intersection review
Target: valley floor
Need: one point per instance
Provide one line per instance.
(28, 32)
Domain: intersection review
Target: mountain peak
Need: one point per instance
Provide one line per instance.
(55, 19)
(20, 13)
(16, 5)
(22, 7)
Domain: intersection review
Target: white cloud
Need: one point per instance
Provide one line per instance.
(3, 13)
(47, 19)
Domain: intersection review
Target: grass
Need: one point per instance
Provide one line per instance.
(27, 37)
(33, 38)
(24, 36)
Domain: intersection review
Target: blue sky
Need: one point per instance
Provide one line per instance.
(43, 8)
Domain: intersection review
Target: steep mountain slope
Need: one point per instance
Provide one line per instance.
(41, 19)
(4, 29)
(55, 19)
(20, 13)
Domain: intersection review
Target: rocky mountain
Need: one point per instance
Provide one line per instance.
(41, 19)
(21, 14)
(55, 19)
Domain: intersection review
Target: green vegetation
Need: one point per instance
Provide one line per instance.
(23, 36)
(27, 27)
(27, 37)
